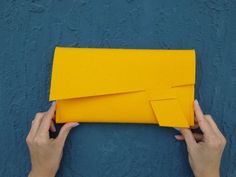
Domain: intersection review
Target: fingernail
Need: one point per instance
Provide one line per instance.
(176, 136)
(177, 129)
(74, 124)
(54, 102)
(53, 129)
(196, 101)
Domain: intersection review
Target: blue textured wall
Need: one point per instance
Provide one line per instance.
(29, 31)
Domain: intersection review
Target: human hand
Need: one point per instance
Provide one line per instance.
(46, 152)
(204, 150)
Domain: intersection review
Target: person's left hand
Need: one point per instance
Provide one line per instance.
(46, 152)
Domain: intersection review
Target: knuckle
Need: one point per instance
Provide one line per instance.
(59, 141)
(33, 122)
(224, 141)
(218, 143)
(66, 128)
(38, 114)
(40, 141)
(202, 121)
(192, 148)
(28, 139)
(208, 116)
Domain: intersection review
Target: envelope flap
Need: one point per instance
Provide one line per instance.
(81, 72)
(169, 113)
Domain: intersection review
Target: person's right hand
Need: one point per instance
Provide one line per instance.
(204, 150)
(46, 152)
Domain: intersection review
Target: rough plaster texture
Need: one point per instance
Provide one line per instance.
(29, 31)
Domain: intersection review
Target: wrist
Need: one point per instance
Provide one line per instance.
(40, 174)
(210, 174)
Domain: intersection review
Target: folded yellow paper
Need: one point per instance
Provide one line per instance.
(124, 86)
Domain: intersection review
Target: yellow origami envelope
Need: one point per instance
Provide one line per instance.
(124, 86)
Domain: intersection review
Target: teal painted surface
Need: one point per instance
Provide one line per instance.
(29, 31)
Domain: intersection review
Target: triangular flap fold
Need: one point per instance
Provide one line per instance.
(169, 113)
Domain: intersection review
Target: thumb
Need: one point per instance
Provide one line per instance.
(65, 130)
(188, 136)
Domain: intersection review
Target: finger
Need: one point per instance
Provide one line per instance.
(202, 122)
(47, 119)
(213, 125)
(65, 130)
(52, 127)
(35, 124)
(195, 126)
(188, 136)
(179, 137)
(197, 137)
